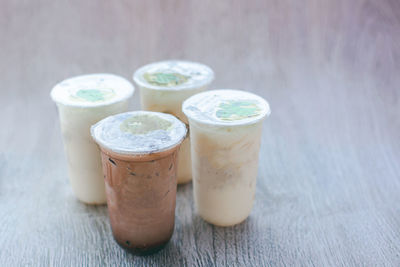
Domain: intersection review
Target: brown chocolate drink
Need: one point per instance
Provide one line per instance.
(141, 185)
(141, 193)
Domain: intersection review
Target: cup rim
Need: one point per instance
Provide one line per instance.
(177, 124)
(127, 91)
(138, 74)
(207, 120)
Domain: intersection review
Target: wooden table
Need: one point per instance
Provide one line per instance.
(328, 189)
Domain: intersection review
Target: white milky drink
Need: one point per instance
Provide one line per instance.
(164, 86)
(225, 132)
(83, 101)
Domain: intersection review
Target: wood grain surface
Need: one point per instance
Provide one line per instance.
(328, 189)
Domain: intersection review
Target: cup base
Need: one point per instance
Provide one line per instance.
(224, 224)
(92, 203)
(142, 250)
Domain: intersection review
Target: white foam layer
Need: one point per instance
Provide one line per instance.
(92, 90)
(139, 132)
(226, 107)
(188, 75)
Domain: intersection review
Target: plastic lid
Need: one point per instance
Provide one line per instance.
(226, 107)
(173, 75)
(139, 132)
(92, 90)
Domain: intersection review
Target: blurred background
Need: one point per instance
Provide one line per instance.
(276, 47)
(300, 55)
(285, 50)
(329, 69)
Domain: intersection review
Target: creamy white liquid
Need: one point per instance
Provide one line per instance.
(171, 102)
(225, 161)
(83, 101)
(168, 94)
(225, 132)
(83, 154)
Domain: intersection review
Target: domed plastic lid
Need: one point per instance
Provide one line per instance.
(92, 90)
(139, 132)
(173, 75)
(226, 107)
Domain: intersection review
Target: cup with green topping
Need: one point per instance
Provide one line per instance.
(164, 86)
(139, 152)
(83, 101)
(225, 132)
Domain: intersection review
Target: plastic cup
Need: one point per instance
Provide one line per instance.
(163, 88)
(139, 151)
(83, 101)
(225, 132)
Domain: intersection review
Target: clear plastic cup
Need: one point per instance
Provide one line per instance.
(164, 86)
(139, 151)
(83, 101)
(225, 132)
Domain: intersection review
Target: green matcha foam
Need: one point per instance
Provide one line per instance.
(173, 75)
(226, 107)
(92, 90)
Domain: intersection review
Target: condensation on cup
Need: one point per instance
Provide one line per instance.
(164, 86)
(225, 132)
(139, 153)
(82, 101)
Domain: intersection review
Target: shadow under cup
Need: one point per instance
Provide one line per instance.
(141, 196)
